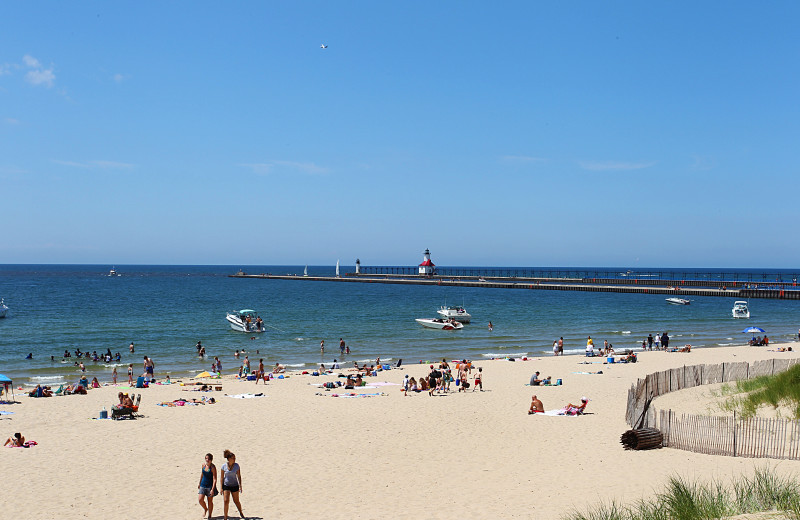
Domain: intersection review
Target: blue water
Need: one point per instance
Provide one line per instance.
(165, 310)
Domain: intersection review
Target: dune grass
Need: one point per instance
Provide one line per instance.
(777, 390)
(684, 500)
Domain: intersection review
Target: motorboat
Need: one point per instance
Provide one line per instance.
(3, 308)
(740, 310)
(245, 320)
(439, 323)
(678, 301)
(456, 313)
(113, 272)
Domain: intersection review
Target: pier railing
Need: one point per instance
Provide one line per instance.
(739, 280)
(733, 436)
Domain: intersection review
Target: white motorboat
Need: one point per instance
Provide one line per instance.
(3, 308)
(456, 313)
(245, 320)
(678, 301)
(439, 323)
(740, 310)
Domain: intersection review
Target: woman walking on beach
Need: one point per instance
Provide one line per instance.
(231, 483)
(208, 485)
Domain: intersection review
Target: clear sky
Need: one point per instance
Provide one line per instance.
(532, 133)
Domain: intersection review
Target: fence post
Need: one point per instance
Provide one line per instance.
(734, 433)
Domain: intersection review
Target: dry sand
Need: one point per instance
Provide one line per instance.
(466, 455)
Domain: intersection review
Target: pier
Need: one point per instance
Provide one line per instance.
(780, 289)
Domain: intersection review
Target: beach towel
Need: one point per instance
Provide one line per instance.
(593, 373)
(28, 444)
(559, 413)
(6, 413)
(352, 395)
(245, 396)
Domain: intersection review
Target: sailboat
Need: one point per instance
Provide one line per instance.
(305, 271)
(337, 268)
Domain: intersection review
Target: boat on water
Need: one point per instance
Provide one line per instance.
(456, 313)
(3, 308)
(678, 301)
(245, 320)
(439, 323)
(113, 272)
(740, 310)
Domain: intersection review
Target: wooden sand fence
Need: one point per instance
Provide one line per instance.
(732, 436)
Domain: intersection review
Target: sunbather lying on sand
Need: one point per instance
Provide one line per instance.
(572, 409)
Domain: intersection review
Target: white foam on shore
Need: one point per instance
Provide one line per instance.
(40, 380)
(513, 354)
(296, 365)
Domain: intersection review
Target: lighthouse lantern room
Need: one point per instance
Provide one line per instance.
(427, 268)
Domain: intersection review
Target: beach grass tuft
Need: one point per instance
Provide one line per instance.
(750, 394)
(681, 499)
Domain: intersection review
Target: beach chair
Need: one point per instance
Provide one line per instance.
(399, 362)
(128, 412)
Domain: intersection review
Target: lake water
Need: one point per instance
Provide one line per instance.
(165, 310)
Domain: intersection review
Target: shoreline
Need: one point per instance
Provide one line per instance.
(394, 453)
(63, 374)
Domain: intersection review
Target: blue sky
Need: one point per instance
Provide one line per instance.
(628, 134)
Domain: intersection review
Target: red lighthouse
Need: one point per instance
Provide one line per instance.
(427, 268)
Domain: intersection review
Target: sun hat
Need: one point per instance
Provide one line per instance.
(584, 399)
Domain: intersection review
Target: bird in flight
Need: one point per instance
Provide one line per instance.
(323, 46)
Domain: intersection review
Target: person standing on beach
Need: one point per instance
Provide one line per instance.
(231, 483)
(341, 345)
(657, 340)
(130, 374)
(665, 341)
(555, 348)
(589, 347)
(649, 342)
(208, 484)
(561, 345)
(149, 368)
(478, 379)
(114, 375)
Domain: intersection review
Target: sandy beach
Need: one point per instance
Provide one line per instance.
(472, 455)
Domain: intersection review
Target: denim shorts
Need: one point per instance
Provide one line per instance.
(207, 491)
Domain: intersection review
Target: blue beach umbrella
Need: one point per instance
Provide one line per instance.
(753, 330)
(7, 385)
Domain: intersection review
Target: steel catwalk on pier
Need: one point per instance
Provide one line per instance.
(732, 288)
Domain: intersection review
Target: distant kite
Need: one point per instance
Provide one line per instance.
(323, 46)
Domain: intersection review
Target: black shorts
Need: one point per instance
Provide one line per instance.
(232, 489)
